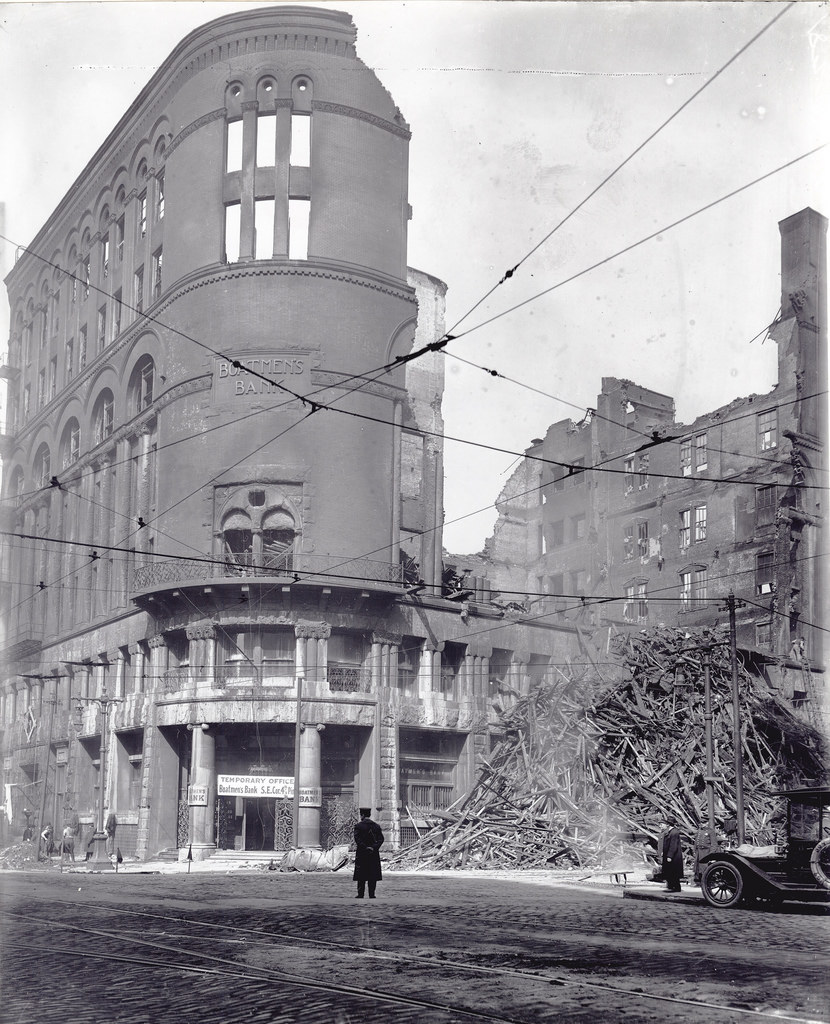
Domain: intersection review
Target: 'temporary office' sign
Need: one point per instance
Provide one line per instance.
(234, 383)
(278, 787)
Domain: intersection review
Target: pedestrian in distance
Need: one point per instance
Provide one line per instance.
(109, 828)
(672, 856)
(368, 839)
(47, 845)
(68, 843)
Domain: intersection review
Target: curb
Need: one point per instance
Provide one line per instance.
(692, 896)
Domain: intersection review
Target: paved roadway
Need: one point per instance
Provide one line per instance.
(271, 948)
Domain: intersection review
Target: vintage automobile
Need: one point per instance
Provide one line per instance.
(796, 869)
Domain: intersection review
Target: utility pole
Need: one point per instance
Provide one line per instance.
(731, 605)
(709, 778)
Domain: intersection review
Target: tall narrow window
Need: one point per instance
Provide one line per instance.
(642, 473)
(43, 467)
(685, 590)
(764, 564)
(767, 430)
(157, 262)
(105, 256)
(765, 505)
(642, 540)
(264, 228)
(160, 197)
(85, 276)
(686, 458)
(27, 397)
(69, 361)
(142, 215)
(138, 289)
(233, 226)
(53, 377)
(299, 214)
(685, 529)
(642, 602)
(628, 542)
(103, 418)
(44, 319)
(101, 332)
(27, 343)
(82, 348)
(116, 314)
(144, 391)
(700, 523)
(119, 239)
(701, 451)
(700, 584)
(266, 140)
(628, 478)
(41, 389)
(234, 139)
(74, 448)
(300, 140)
(55, 315)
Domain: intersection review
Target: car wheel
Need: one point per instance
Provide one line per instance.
(722, 884)
(820, 863)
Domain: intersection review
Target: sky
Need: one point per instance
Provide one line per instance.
(518, 111)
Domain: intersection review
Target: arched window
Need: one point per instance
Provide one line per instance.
(43, 462)
(70, 443)
(237, 540)
(102, 417)
(278, 533)
(142, 382)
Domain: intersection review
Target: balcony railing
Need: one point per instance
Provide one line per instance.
(330, 569)
(348, 678)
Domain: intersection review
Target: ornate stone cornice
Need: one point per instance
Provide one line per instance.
(387, 637)
(329, 380)
(361, 115)
(156, 641)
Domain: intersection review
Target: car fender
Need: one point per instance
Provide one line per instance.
(744, 865)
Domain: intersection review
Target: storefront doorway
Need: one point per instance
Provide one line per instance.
(258, 823)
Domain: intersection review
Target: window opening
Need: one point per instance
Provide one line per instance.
(82, 348)
(157, 263)
(300, 140)
(700, 523)
(160, 197)
(116, 314)
(266, 140)
(138, 289)
(642, 540)
(234, 146)
(685, 529)
(68, 364)
(686, 458)
(767, 430)
(628, 478)
(101, 331)
(53, 377)
(628, 542)
(119, 239)
(264, 210)
(105, 256)
(142, 215)
(233, 228)
(701, 453)
(299, 215)
(103, 421)
(41, 389)
(764, 572)
(765, 504)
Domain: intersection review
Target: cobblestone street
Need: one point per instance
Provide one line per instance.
(270, 947)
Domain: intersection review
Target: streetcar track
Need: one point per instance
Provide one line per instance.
(426, 961)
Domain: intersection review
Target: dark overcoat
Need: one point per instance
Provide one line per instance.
(368, 840)
(672, 856)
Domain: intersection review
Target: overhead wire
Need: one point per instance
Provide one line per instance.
(709, 81)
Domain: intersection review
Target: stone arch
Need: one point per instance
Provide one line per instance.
(402, 340)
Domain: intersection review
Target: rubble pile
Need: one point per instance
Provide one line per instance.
(23, 856)
(590, 766)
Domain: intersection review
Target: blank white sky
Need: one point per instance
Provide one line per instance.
(517, 110)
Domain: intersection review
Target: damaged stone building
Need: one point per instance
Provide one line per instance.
(213, 464)
(680, 515)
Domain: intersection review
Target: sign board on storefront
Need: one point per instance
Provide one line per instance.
(277, 787)
(197, 796)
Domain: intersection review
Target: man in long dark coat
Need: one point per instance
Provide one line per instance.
(672, 857)
(368, 840)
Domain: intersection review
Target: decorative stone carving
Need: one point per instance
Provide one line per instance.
(200, 631)
(189, 129)
(157, 641)
(312, 631)
(388, 637)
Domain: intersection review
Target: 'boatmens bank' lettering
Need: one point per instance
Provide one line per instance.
(276, 364)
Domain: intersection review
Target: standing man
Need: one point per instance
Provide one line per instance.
(672, 856)
(368, 840)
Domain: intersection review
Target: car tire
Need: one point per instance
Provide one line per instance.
(722, 884)
(820, 863)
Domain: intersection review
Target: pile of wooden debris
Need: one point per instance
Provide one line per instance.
(589, 767)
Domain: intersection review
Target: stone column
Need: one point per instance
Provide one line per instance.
(249, 128)
(395, 525)
(122, 566)
(117, 660)
(158, 661)
(137, 655)
(283, 132)
(203, 773)
(308, 829)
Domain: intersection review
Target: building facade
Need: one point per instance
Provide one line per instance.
(215, 471)
(673, 517)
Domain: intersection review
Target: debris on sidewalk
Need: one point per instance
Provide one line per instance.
(591, 765)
